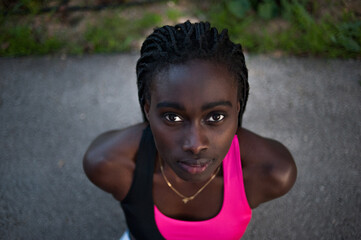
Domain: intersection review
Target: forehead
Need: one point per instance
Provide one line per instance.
(196, 80)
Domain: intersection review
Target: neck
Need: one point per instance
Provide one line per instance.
(178, 181)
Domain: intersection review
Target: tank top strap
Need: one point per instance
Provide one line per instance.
(138, 204)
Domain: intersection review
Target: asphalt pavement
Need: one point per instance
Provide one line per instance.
(51, 108)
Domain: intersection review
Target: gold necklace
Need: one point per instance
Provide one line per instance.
(184, 198)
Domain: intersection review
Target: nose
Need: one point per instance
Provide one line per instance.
(196, 139)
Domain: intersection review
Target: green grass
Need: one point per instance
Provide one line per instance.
(173, 14)
(290, 28)
(303, 34)
(116, 34)
(112, 33)
(22, 40)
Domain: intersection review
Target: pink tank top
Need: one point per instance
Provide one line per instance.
(230, 223)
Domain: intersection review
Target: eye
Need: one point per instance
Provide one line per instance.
(171, 117)
(216, 117)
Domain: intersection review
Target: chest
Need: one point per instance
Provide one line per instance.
(206, 205)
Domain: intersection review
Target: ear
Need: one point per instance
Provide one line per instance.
(238, 106)
(146, 109)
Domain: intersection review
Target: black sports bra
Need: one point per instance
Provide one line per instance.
(138, 205)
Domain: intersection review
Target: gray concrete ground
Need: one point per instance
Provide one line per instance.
(51, 108)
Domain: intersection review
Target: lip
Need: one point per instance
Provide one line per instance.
(194, 166)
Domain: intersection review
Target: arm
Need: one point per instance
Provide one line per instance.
(268, 167)
(109, 161)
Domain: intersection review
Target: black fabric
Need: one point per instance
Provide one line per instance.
(138, 205)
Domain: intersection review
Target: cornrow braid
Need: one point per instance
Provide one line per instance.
(184, 42)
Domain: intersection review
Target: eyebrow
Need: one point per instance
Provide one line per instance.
(207, 106)
(216, 104)
(170, 105)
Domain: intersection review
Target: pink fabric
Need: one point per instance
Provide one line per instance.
(230, 223)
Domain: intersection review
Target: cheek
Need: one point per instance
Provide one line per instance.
(223, 142)
(162, 138)
(221, 139)
(165, 141)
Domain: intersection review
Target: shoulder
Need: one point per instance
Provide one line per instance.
(109, 162)
(269, 168)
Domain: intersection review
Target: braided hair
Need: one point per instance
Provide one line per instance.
(184, 42)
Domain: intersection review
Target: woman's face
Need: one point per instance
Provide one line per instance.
(193, 114)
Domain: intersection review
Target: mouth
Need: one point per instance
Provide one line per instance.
(194, 166)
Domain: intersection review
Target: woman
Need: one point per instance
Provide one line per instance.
(190, 171)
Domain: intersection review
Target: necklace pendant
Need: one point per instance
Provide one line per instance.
(185, 200)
